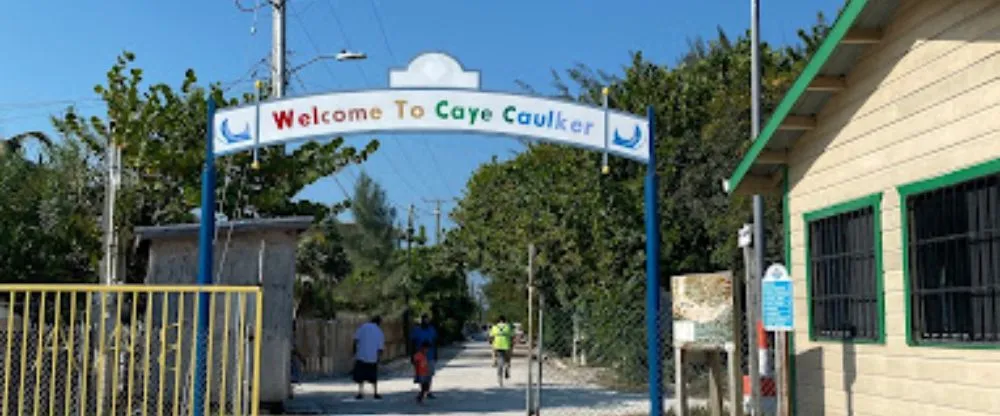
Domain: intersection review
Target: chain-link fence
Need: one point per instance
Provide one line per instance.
(123, 350)
(594, 356)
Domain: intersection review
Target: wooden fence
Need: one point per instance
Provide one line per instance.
(324, 346)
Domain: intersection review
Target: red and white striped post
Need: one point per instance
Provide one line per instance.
(768, 388)
(763, 352)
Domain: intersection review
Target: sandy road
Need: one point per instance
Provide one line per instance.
(465, 384)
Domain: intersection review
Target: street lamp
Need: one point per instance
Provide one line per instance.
(346, 55)
(342, 56)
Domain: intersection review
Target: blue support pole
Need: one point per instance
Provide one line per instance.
(653, 277)
(205, 265)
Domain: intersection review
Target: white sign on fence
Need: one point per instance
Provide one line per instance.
(777, 299)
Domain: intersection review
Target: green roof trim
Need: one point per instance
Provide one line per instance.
(823, 54)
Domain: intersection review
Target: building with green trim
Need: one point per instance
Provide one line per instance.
(886, 151)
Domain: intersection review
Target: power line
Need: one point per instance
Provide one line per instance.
(248, 77)
(364, 76)
(48, 113)
(347, 195)
(347, 42)
(253, 9)
(381, 28)
(37, 104)
(392, 55)
(437, 218)
(315, 46)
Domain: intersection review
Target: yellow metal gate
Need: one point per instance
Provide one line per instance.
(127, 350)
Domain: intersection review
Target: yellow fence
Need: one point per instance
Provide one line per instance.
(128, 350)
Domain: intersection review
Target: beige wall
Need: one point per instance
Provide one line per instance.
(924, 101)
(173, 260)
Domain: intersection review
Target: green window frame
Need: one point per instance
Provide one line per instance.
(950, 224)
(844, 273)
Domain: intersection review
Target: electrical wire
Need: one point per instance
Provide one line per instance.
(253, 9)
(364, 76)
(37, 104)
(388, 47)
(347, 40)
(381, 28)
(315, 46)
(248, 77)
(40, 113)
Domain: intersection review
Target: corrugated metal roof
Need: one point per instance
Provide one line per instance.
(835, 58)
(258, 224)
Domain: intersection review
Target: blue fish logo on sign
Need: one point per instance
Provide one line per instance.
(233, 138)
(631, 142)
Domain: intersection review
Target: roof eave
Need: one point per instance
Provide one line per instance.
(742, 181)
(296, 224)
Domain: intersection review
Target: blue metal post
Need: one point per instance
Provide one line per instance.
(653, 277)
(205, 265)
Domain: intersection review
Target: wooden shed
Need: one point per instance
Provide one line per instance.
(886, 151)
(247, 252)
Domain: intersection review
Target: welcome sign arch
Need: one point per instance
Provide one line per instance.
(434, 93)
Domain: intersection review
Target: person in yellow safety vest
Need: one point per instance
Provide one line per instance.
(501, 338)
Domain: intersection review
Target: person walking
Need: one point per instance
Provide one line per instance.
(422, 371)
(426, 333)
(369, 343)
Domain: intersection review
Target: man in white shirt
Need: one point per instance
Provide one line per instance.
(369, 342)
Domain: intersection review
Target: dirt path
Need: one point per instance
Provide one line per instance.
(465, 385)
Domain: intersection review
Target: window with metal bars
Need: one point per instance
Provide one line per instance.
(844, 275)
(953, 248)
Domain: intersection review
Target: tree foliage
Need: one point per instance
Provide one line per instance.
(162, 131)
(373, 237)
(588, 228)
(48, 222)
(369, 265)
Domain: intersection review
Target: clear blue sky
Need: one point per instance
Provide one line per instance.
(58, 50)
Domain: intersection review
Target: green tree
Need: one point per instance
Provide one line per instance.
(162, 131)
(378, 268)
(372, 238)
(48, 219)
(589, 228)
(440, 288)
(321, 253)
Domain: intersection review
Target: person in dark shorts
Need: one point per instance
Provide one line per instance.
(369, 342)
(425, 333)
(422, 371)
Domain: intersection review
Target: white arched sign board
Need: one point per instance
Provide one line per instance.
(429, 110)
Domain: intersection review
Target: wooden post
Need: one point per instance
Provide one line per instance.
(735, 349)
(783, 374)
(530, 392)
(680, 390)
(715, 378)
(735, 379)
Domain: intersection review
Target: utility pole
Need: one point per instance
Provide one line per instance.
(278, 49)
(113, 181)
(437, 218)
(753, 284)
(409, 278)
(530, 399)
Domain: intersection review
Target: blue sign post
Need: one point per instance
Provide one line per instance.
(777, 300)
